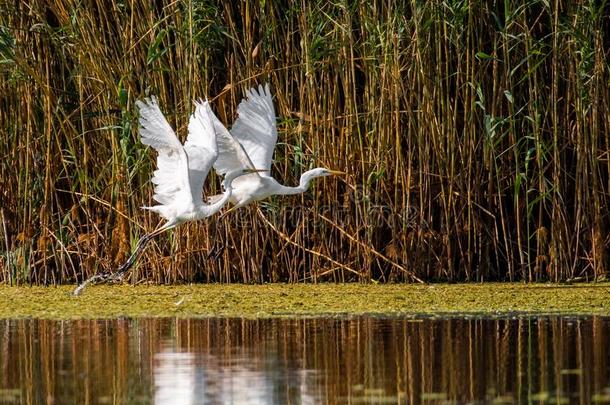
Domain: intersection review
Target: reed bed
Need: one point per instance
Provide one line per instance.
(476, 136)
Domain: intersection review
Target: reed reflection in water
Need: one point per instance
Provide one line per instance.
(286, 361)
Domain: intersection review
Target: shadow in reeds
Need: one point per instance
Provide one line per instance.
(305, 361)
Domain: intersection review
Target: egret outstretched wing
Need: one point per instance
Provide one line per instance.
(171, 179)
(231, 154)
(255, 126)
(201, 148)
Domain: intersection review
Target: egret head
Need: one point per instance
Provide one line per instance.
(323, 172)
(313, 173)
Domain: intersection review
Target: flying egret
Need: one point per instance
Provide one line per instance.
(181, 172)
(250, 145)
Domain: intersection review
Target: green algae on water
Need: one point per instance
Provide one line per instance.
(302, 300)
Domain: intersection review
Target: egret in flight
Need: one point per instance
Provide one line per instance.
(250, 145)
(181, 172)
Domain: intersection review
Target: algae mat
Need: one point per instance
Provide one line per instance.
(283, 300)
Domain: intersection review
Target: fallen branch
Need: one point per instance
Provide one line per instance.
(322, 255)
(373, 251)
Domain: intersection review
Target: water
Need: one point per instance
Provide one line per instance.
(361, 360)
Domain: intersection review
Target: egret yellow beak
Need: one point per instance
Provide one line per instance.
(337, 172)
(254, 170)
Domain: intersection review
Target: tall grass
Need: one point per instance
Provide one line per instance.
(475, 134)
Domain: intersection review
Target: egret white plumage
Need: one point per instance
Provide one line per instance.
(250, 145)
(181, 171)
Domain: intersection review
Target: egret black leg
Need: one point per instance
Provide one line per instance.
(120, 273)
(107, 276)
(134, 256)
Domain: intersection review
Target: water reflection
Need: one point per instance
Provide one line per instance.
(362, 360)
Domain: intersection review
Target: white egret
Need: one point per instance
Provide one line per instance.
(250, 145)
(181, 172)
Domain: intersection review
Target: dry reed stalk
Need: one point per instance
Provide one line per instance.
(476, 136)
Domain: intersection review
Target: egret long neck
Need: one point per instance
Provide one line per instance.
(301, 188)
(286, 190)
(216, 206)
(228, 185)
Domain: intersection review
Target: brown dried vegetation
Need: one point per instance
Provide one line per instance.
(476, 137)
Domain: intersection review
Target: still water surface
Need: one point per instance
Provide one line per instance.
(306, 361)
